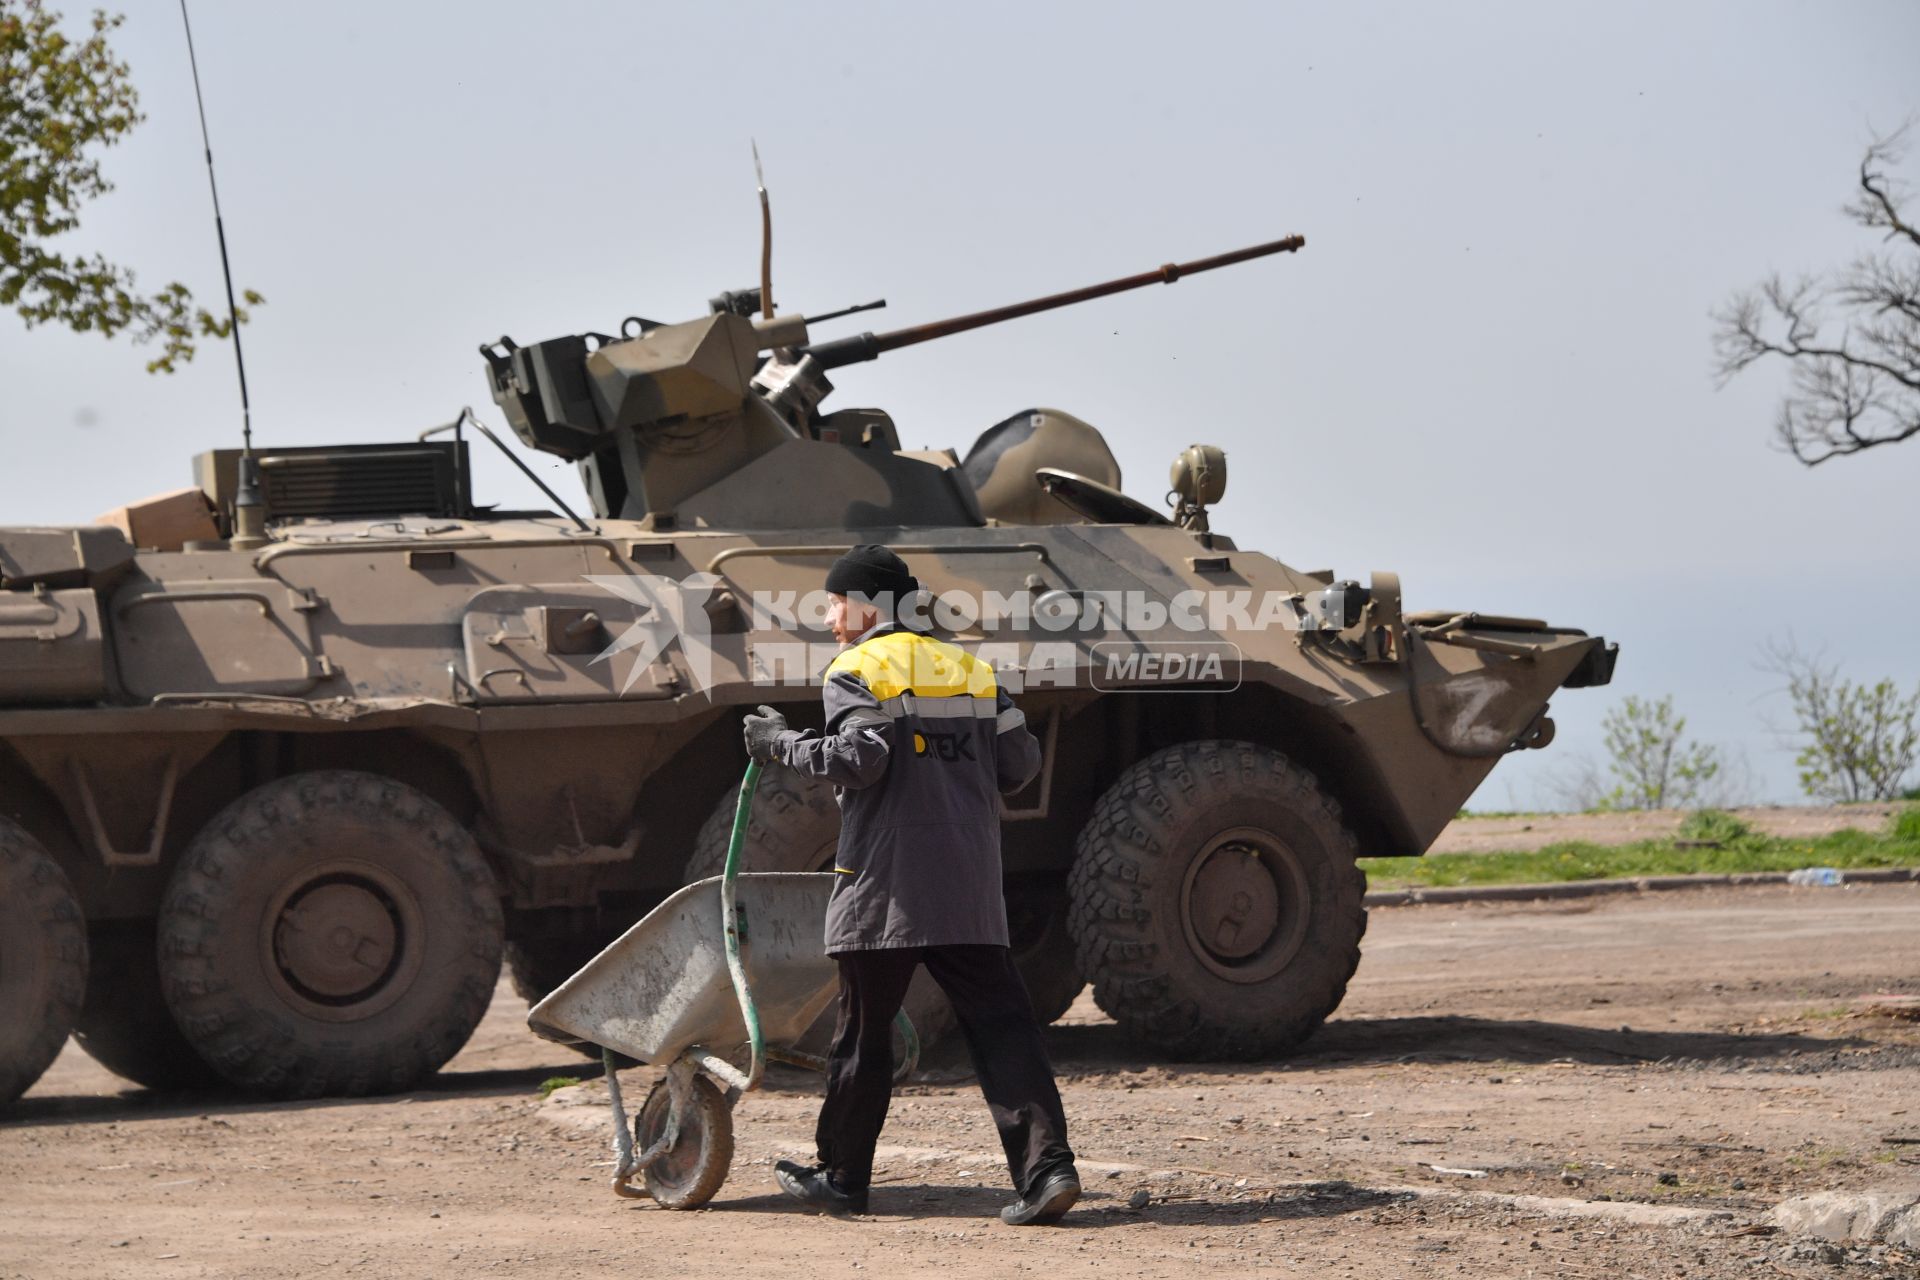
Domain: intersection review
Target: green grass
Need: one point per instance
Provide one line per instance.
(1826, 1013)
(551, 1083)
(1740, 849)
(1714, 825)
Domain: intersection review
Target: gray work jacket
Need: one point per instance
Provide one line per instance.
(920, 743)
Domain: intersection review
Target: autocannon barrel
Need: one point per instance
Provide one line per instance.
(867, 346)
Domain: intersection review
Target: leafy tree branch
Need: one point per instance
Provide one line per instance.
(1652, 763)
(63, 102)
(1857, 741)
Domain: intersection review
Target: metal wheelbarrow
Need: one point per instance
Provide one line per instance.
(736, 962)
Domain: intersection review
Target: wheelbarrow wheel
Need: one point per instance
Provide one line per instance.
(687, 1176)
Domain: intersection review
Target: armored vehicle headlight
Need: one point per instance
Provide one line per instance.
(1200, 474)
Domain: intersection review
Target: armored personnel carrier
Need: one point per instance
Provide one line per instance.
(290, 759)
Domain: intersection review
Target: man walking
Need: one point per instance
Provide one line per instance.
(920, 742)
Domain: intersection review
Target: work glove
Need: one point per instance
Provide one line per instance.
(764, 728)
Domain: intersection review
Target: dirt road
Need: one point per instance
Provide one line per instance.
(1625, 1059)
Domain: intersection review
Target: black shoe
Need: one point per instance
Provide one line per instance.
(1048, 1204)
(813, 1186)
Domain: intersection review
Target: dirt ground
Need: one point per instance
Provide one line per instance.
(1522, 832)
(1638, 1079)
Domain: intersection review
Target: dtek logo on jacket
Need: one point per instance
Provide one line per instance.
(950, 747)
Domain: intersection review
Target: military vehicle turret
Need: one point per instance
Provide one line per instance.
(289, 759)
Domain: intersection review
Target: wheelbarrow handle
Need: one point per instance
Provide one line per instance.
(730, 913)
(731, 923)
(909, 1058)
(629, 1162)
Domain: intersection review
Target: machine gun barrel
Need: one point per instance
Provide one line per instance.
(867, 346)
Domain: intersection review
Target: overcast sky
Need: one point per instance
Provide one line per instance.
(1489, 369)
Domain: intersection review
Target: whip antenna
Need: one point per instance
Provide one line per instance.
(248, 514)
(220, 230)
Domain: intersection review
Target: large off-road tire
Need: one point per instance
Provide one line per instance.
(539, 965)
(689, 1175)
(125, 1023)
(1217, 906)
(43, 960)
(1045, 956)
(331, 933)
(796, 827)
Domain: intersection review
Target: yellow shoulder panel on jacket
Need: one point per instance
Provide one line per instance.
(900, 662)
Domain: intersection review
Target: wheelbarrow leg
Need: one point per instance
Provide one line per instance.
(628, 1164)
(683, 1107)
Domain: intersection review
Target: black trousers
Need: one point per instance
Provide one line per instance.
(995, 1016)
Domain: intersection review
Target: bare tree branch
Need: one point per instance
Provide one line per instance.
(1878, 204)
(1863, 389)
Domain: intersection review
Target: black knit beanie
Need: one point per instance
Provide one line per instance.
(872, 572)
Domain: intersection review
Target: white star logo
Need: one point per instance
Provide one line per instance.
(664, 608)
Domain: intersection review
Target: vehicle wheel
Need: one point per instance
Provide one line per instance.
(332, 933)
(1217, 906)
(539, 965)
(796, 827)
(1044, 954)
(687, 1176)
(43, 960)
(125, 1024)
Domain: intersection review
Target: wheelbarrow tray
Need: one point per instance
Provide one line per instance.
(662, 986)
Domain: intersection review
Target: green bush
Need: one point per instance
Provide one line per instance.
(1861, 740)
(1906, 824)
(1655, 765)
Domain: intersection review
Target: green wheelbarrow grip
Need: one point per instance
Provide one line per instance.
(736, 966)
(730, 921)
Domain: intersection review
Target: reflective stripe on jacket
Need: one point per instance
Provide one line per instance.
(920, 743)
